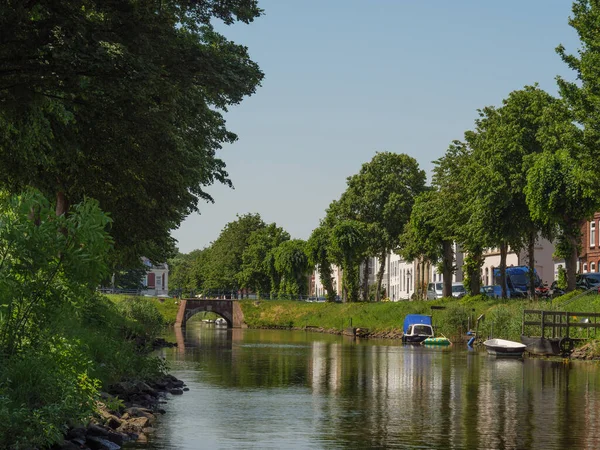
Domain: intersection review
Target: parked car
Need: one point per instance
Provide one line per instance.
(589, 280)
(458, 290)
(491, 291)
(555, 291)
(495, 291)
(435, 291)
(517, 280)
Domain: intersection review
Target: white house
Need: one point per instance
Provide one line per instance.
(457, 276)
(544, 263)
(156, 279)
(398, 277)
(337, 276)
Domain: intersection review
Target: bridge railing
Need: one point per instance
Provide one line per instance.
(120, 291)
(220, 295)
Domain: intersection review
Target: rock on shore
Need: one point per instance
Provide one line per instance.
(126, 412)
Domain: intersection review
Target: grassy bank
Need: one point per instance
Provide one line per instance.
(166, 306)
(502, 317)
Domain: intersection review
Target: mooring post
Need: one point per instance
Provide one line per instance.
(543, 322)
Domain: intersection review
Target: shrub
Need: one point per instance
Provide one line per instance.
(42, 391)
(454, 321)
(504, 321)
(143, 318)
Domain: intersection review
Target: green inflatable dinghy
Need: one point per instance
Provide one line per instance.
(437, 341)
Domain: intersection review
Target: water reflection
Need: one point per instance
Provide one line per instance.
(280, 389)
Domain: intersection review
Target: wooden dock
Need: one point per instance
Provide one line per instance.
(555, 332)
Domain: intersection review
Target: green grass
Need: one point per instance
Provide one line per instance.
(167, 307)
(502, 317)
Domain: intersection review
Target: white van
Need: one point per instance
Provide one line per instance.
(458, 290)
(434, 290)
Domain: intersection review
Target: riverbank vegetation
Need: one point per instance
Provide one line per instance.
(502, 318)
(166, 307)
(60, 342)
(93, 98)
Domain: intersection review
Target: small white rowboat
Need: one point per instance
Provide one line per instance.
(504, 348)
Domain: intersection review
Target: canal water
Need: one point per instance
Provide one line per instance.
(269, 389)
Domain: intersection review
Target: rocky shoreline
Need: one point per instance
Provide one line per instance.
(125, 413)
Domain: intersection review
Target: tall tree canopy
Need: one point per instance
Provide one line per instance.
(583, 95)
(257, 271)
(121, 100)
(225, 258)
(429, 234)
(348, 246)
(317, 248)
(562, 192)
(291, 263)
(503, 143)
(381, 196)
(576, 157)
(451, 177)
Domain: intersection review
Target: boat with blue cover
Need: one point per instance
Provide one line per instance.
(417, 328)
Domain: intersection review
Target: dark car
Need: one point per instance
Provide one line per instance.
(491, 291)
(589, 280)
(555, 291)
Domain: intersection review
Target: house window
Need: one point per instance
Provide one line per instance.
(584, 267)
(592, 267)
(593, 234)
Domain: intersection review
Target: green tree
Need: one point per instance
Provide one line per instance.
(381, 196)
(121, 101)
(582, 95)
(291, 263)
(186, 271)
(428, 236)
(503, 143)
(318, 247)
(47, 262)
(224, 264)
(129, 278)
(348, 246)
(583, 102)
(451, 177)
(562, 191)
(256, 270)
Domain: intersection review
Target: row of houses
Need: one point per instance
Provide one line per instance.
(401, 278)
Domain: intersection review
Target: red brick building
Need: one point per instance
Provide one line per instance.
(589, 258)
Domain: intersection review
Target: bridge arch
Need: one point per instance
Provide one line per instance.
(189, 313)
(230, 310)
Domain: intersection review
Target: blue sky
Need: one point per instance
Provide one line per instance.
(347, 78)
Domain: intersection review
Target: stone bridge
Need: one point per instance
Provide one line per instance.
(229, 310)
